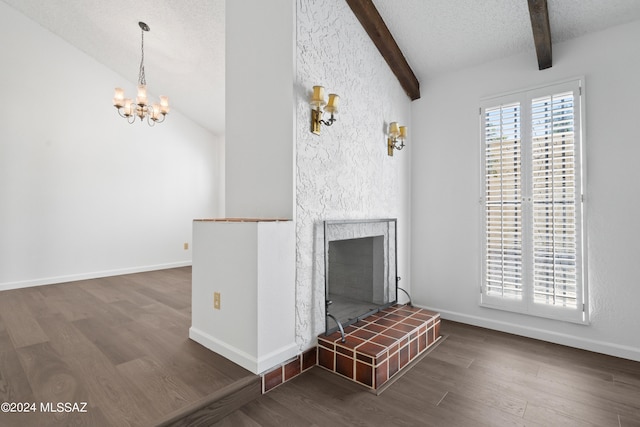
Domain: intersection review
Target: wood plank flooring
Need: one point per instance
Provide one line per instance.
(121, 345)
(476, 377)
(118, 343)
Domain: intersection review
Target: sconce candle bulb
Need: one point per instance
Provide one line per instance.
(318, 96)
(397, 135)
(394, 129)
(319, 106)
(332, 105)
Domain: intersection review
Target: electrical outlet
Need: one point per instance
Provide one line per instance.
(216, 300)
(186, 246)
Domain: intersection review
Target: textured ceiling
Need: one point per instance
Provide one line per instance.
(438, 36)
(184, 51)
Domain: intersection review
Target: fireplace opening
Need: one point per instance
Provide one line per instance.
(360, 269)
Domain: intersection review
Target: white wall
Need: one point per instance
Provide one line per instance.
(259, 108)
(345, 172)
(446, 188)
(83, 193)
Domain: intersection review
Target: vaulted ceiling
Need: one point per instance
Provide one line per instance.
(184, 51)
(185, 57)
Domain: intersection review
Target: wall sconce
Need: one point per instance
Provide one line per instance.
(396, 133)
(319, 106)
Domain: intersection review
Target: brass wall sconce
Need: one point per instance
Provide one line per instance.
(396, 134)
(319, 106)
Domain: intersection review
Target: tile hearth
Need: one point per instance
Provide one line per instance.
(378, 347)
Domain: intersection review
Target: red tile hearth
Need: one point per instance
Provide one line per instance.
(381, 345)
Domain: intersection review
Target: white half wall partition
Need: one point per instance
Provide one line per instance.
(250, 265)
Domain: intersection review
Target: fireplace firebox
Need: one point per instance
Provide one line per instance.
(360, 269)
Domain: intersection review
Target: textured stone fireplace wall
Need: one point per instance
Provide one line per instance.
(345, 172)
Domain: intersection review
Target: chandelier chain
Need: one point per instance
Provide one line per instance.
(142, 79)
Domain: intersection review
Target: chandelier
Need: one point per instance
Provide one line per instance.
(153, 113)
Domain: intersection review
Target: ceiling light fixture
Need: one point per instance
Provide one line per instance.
(154, 113)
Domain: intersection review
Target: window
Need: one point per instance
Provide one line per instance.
(532, 203)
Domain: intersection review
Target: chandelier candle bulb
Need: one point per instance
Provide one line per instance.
(164, 104)
(141, 99)
(155, 112)
(128, 110)
(118, 98)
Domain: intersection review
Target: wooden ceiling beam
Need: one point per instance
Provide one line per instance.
(380, 35)
(539, 14)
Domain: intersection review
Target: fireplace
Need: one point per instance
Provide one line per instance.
(360, 269)
(369, 337)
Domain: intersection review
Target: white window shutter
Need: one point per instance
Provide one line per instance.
(503, 201)
(532, 203)
(554, 200)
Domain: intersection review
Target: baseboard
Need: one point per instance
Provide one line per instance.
(242, 358)
(90, 275)
(597, 346)
(275, 358)
(237, 356)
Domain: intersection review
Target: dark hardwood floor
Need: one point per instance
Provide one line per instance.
(120, 344)
(475, 377)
